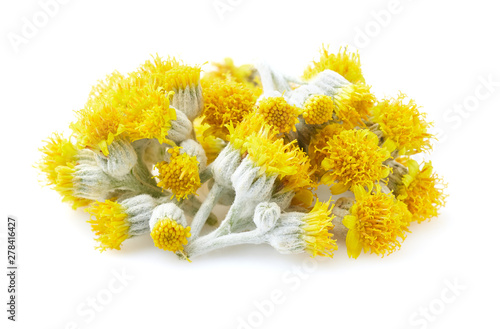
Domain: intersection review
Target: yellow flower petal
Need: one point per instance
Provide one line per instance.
(353, 244)
(338, 188)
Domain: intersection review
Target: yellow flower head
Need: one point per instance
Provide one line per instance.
(109, 221)
(181, 77)
(257, 140)
(244, 74)
(278, 113)
(97, 125)
(225, 102)
(344, 63)
(211, 144)
(155, 72)
(301, 181)
(169, 235)
(404, 127)
(150, 116)
(353, 104)
(251, 124)
(353, 157)
(103, 87)
(57, 151)
(377, 222)
(318, 109)
(422, 191)
(180, 174)
(128, 106)
(316, 228)
(64, 185)
(317, 149)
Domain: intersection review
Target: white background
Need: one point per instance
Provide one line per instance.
(437, 52)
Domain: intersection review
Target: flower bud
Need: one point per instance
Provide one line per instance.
(181, 127)
(120, 160)
(266, 215)
(192, 148)
(170, 211)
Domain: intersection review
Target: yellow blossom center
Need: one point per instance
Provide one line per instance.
(318, 109)
(404, 127)
(226, 102)
(167, 234)
(353, 104)
(278, 113)
(353, 157)
(180, 174)
(377, 222)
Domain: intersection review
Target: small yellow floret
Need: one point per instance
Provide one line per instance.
(318, 109)
(377, 222)
(252, 124)
(344, 63)
(98, 124)
(155, 72)
(317, 150)
(211, 144)
(123, 106)
(154, 120)
(278, 113)
(353, 157)
(403, 125)
(181, 77)
(258, 141)
(109, 222)
(316, 227)
(353, 104)
(245, 74)
(64, 185)
(225, 102)
(180, 174)
(168, 235)
(57, 151)
(422, 191)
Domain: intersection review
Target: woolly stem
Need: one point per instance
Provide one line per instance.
(232, 217)
(210, 242)
(205, 209)
(206, 174)
(191, 207)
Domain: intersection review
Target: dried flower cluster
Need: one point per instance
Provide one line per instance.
(262, 142)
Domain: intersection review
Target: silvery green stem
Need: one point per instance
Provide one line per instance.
(211, 242)
(144, 182)
(232, 218)
(191, 206)
(206, 174)
(136, 183)
(205, 209)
